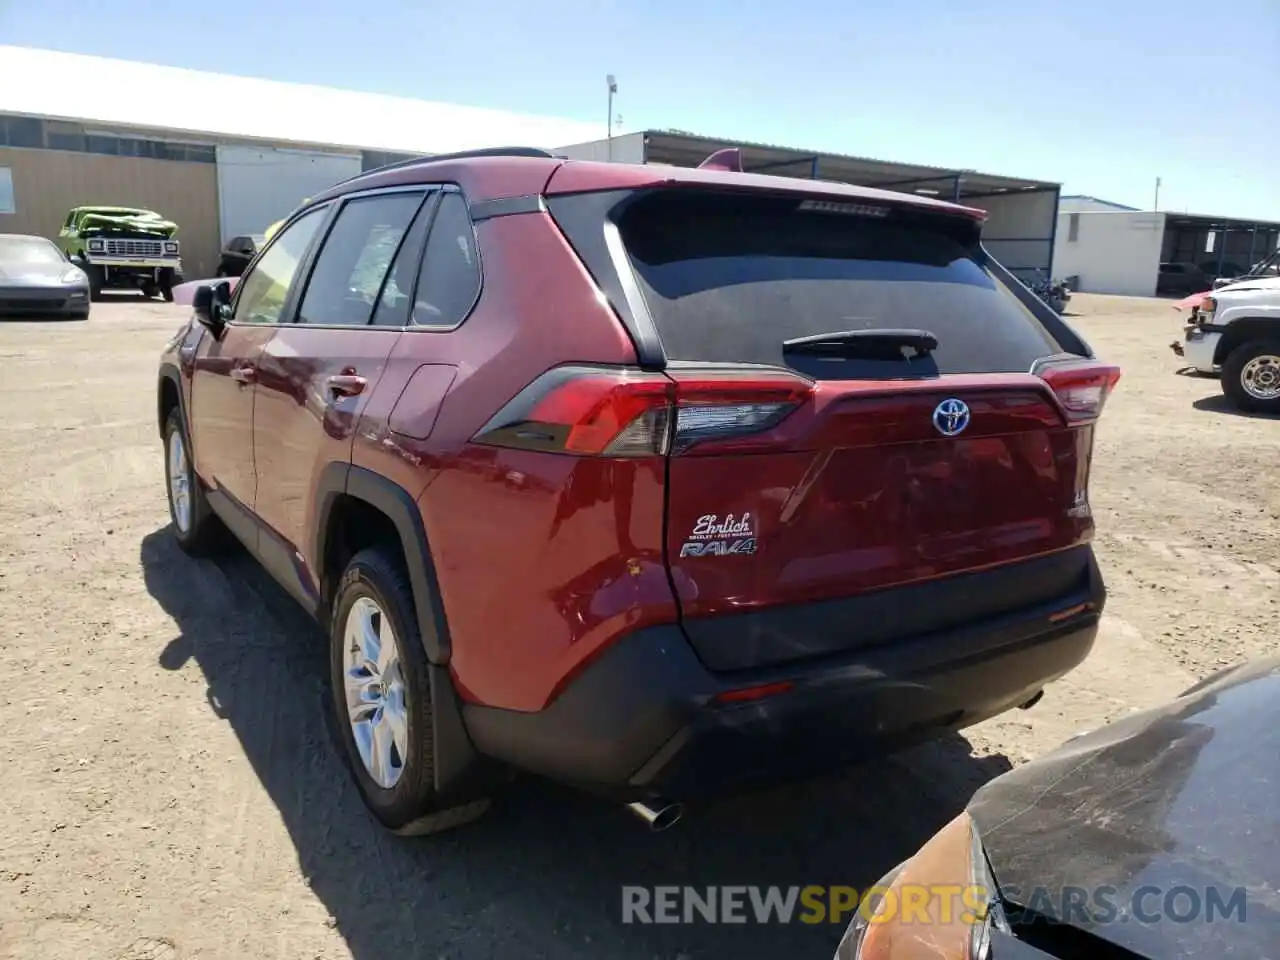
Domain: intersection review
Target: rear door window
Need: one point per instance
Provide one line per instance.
(728, 278)
(353, 263)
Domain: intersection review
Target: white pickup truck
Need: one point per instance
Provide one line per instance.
(1234, 333)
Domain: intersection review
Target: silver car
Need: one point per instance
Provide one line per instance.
(37, 280)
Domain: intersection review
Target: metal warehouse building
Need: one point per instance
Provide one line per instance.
(1112, 248)
(225, 156)
(222, 156)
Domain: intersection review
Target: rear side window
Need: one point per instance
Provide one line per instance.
(354, 260)
(450, 279)
(728, 278)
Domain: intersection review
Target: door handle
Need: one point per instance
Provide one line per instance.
(346, 385)
(244, 375)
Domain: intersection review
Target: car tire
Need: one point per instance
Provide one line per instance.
(382, 698)
(95, 281)
(195, 526)
(1251, 376)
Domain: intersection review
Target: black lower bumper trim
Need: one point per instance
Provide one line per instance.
(789, 633)
(643, 720)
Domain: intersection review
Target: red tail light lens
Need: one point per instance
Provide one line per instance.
(607, 413)
(588, 411)
(1081, 386)
(630, 413)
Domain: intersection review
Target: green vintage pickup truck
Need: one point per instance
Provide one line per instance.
(123, 248)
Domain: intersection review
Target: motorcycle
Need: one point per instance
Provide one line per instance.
(1056, 295)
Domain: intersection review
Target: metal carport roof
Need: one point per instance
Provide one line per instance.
(681, 148)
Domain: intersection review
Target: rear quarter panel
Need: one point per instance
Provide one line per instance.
(541, 559)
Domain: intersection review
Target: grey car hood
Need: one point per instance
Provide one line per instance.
(1185, 795)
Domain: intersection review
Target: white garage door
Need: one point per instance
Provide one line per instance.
(259, 185)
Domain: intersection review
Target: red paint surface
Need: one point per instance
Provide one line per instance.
(859, 492)
(222, 433)
(300, 425)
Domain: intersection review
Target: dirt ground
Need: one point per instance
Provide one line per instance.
(169, 787)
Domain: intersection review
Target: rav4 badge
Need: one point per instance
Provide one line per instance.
(713, 537)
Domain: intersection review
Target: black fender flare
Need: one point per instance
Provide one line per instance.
(170, 372)
(461, 773)
(338, 479)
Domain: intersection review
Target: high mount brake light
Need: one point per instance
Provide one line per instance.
(1081, 386)
(593, 411)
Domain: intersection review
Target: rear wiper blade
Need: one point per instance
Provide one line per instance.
(872, 344)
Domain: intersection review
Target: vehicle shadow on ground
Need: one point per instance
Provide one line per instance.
(542, 874)
(1220, 404)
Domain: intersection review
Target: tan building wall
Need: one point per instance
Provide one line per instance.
(48, 183)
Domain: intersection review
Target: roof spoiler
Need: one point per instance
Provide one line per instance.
(728, 160)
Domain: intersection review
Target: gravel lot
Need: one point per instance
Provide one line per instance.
(170, 790)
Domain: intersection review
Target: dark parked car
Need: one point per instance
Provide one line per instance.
(657, 481)
(1181, 279)
(1155, 837)
(37, 279)
(237, 253)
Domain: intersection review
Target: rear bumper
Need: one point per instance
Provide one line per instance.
(643, 721)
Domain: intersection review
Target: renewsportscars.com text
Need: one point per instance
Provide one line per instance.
(918, 903)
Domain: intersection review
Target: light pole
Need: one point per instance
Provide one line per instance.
(1156, 206)
(613, 88)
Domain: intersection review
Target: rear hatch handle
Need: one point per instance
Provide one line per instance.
(869, 344)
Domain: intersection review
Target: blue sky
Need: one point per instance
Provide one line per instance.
(1102, 95)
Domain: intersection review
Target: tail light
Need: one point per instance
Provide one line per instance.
(732, 407)
(1081, 386)
(594, 411)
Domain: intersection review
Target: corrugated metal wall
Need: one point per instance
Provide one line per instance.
(259, 185)
(626, 148)
(1019, 231)
(48, 183)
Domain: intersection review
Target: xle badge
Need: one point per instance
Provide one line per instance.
(713, 537)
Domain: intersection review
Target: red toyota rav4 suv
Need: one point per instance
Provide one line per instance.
(657, 481)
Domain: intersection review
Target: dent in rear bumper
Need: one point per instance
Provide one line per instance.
(642, 720)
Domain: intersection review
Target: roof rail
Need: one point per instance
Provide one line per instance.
(467, 155)
(460, 155)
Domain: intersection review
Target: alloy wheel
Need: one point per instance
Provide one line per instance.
(376, 697)
(179, 482)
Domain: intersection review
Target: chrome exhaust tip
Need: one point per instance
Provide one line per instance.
(659, 818)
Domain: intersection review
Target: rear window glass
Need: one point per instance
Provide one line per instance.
(728, 278)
